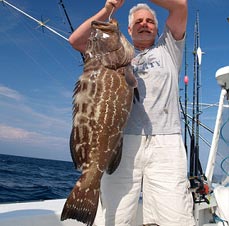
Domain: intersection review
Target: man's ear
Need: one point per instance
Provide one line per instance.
(129, 30)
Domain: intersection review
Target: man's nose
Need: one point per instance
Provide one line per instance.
(143, 23)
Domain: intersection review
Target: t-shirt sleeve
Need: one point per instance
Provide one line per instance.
(174, 47)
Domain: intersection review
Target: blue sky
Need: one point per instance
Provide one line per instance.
(39, 70)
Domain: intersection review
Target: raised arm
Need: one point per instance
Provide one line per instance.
(177, 19)
(78, 38)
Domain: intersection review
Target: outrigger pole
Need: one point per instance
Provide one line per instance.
(195, 166)
(66, 14)
(198, 53)
(197, 68)
(34, 19)
(192, 148)
(69, 22)
(197, 177)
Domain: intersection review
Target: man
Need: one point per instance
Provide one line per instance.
(154, 158)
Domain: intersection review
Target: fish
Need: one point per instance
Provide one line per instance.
(102, 101)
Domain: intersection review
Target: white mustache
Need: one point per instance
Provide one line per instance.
(144, 30)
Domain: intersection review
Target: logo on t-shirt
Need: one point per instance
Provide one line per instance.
(142, 63)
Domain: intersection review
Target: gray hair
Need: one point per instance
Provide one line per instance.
(138, 7)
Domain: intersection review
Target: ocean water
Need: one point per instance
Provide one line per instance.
(32, 179)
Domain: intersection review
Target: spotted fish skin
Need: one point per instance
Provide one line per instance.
(102, 102)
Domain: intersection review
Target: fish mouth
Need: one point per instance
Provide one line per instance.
(105, 26)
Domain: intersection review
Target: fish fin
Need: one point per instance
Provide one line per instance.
(136, 95)
(116, 158)
(78, 152)
(77, 86)
(81, 205)
(75, 91)
(130, 78)
(71, 144)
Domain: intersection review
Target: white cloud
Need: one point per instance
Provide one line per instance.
(31, 128)
(13, 134)
(37, 117)
(9, 133)
(10, 93)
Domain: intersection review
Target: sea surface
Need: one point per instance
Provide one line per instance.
(32, 179)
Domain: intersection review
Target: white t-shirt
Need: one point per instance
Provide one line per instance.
(157, 70)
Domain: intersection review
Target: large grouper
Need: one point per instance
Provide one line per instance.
(102, 101)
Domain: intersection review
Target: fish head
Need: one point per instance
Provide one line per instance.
(105, 35)
(108, 45)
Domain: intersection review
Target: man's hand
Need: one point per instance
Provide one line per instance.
(113, 3)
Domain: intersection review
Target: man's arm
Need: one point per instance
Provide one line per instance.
(79, 37)
(177, 19)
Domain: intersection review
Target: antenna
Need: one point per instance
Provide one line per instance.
(34, 19)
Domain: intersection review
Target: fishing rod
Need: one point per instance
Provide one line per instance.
(186, 129)
(41, 23)
(70, 24)
(198, 62)
(197, 178)
(192, 147)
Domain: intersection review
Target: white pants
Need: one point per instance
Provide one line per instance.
(157, 165)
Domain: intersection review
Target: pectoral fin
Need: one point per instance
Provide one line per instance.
(130, 78)
(116, 158)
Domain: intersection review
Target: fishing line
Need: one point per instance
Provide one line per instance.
(111, 13)
(201, 137)
(34, 60)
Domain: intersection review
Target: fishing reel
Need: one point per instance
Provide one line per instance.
(199, 188)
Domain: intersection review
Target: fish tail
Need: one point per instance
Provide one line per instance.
(81, 205)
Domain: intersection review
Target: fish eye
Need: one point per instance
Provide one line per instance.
(105, 35)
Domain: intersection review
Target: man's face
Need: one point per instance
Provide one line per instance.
(143, 29)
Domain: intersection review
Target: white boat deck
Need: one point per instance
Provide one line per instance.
(45, 213)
